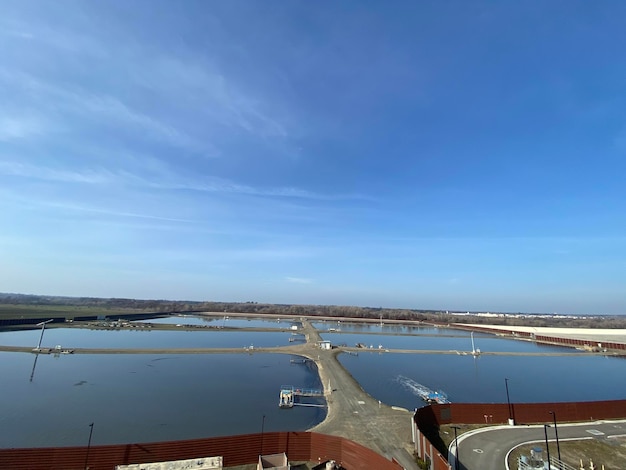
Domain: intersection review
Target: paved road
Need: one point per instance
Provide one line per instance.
(488, 448)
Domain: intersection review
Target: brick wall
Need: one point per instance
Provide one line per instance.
(236, 450)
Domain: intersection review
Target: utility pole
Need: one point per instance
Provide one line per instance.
(556, 432)
(262, 433)
(456, 448)
(545, 432)
(508, 401)
(43, 327)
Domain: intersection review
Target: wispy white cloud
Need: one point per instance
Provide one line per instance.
(196, 86)
(115, 213)
(17, 33)
(65, 204)
(158, 181)
(89, 176)
(298, 280)
(188, 101)
(112, 110)
(67, 103)
(270, 253)
(20, 127)
(219, 98)
(221, 185)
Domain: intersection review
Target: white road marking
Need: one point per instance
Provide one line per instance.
(595, 432)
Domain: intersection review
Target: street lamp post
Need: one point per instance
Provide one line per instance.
(556, 432)
(262, 433)
(508, 401)
(456, 448)
(545, 433)
(88, 446)
(43, 328)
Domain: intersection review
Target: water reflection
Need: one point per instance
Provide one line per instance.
(225, 321)
(481, 379)
(392, 329)
(134, 398)
(441, 343)
(32, 372)
(139, 398)
(144, 338)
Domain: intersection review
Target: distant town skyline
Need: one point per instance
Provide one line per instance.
(458, 156)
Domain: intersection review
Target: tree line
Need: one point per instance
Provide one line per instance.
(255, 308)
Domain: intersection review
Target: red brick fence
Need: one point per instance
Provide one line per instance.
(308, 446)
(236, 450)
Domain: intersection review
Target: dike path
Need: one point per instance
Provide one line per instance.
(354, 414)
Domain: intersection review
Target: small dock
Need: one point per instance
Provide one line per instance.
(297, 337)
(300, 361)
(290, 396)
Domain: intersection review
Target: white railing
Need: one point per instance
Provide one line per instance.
(555, 464)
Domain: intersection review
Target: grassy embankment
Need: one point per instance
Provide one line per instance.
(610, 453)
(19, 311)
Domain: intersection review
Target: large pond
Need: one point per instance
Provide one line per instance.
(144, 338)
(135, 398)
(141, 398)
(221, 322)
(391, 329)
(471, 379)
(442, 343)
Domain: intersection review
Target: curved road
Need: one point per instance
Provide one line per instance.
(489, 447)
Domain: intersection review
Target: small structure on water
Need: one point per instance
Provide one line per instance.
(475, 351)
(285, 398)
(422, 391)
(436, 397)
(297, 337)
(289, 396)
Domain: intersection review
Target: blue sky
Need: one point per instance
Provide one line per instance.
(453, 155)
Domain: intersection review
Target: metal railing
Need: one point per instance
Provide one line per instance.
(555, 464)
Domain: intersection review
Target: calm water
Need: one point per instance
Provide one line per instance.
(135, 398)
(390, 328)
(141, 398)
(481, 379)
(443, 343)
(144, 338)
(224, 322)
